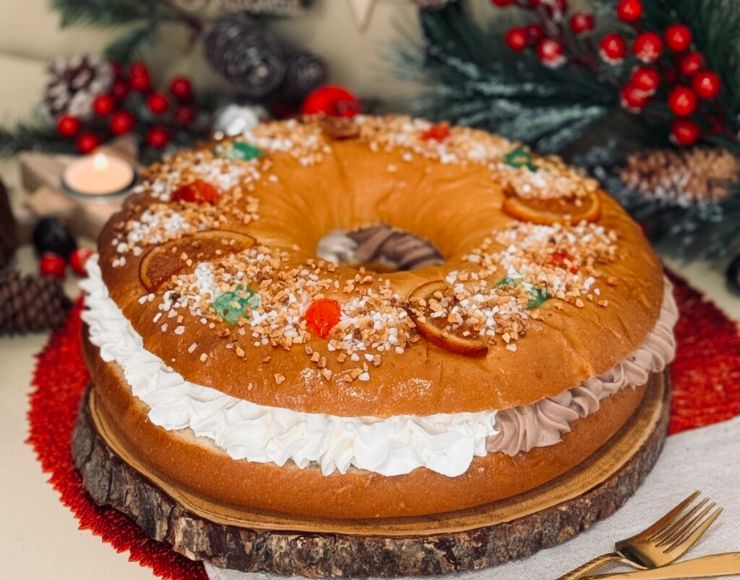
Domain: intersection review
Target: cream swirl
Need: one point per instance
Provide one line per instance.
(444, 443)
(543, 423)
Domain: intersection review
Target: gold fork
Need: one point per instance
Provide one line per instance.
(662, 543)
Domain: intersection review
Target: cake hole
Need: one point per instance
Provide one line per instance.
(380, 248)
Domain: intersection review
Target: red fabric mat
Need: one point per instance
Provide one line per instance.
(706, 389)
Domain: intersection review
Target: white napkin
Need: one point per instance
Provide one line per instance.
(707, 459)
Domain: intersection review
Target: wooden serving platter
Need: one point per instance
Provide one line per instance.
(445, 543)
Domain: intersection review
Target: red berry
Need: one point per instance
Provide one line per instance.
(139, 77)
(87, 142)
(678, 37)
(119, 89)
(551, 53)
(706, 84)
(52, 265)
(103, 105)
(581, 22)
(437, 132)
(115, 68)
(502, 3)
(612, 48)
(331, 100)
(198, 191)
(516, 39)
(121, 122)
(157, 103)
(323, 315)
(629, 10)
(645, 79)
(184, 115)
(632, 98)
(647, 46)
(67, 125)
(682, 101)
(78, 259)
(690, 63)
(535, 33)
(181, 88)
(684, 132)
(157, 137)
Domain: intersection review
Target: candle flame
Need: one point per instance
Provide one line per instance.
(100, 162)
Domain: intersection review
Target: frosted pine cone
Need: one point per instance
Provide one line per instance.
(74, 83)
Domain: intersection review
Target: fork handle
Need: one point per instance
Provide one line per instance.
(596, 563)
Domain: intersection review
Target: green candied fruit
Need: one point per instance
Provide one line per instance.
(231, 306)
(505, 281)
(537, 297)
(520, 157)
(238, 150)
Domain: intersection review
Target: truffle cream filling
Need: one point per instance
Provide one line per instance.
(444, 443)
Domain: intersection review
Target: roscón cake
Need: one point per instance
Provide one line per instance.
(510, 334)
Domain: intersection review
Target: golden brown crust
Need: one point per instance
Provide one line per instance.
(352, 187)
(188, 463)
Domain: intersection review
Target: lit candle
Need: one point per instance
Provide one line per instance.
(98, 175)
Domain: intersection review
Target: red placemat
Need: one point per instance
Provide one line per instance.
(706, 389)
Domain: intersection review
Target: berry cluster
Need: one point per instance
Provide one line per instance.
(660, 66)
(133, 105)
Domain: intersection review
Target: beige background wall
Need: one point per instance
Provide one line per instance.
(28, 29)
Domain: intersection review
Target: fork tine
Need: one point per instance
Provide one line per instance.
(663, 522)
(679, 522)
(690, 537)
(687, 523)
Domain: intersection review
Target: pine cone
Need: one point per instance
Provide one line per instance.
(30, 303)
(304, 72)
(8, 229)
(266, 7)
(75, 82)
(240, 49)
(698, 175)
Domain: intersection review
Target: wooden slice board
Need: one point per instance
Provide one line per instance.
(445, 543)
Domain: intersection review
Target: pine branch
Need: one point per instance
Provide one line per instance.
(134, 42)
(29, 136)
(103, 12)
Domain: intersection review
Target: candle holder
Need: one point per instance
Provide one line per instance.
(98, 177)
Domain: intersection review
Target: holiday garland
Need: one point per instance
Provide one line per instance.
(618, 78)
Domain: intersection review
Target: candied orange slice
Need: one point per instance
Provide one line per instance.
(550, 211)
(164, 261)
(432, 328)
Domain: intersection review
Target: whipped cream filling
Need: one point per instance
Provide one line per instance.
(445, 443)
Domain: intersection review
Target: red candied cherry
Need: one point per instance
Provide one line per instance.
(323, 315)
(157, 137)
(502, 3)
(78, 259)
(67, 125)
(682, 101)
(181, 88)
(632, 98)
(121, 122)
(678, 37)
(103, 105)
(646, 79)
(437, 132)
(535, 33)
(52, 265)
(516, 39)
(685, 132)
(612, 48)
(87, 142)
(331, 100)
(551, 53)
(139, 77)
(582, 22)
(690, 63)
(629, 10)
(157, 103)
(706, 84)
(647, 46)
(198, 191)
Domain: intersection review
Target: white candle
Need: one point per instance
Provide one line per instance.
(98, 175)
